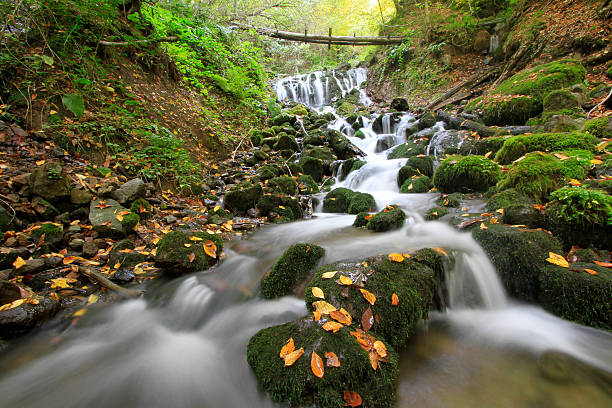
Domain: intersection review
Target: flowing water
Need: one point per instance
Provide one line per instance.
(184, 343)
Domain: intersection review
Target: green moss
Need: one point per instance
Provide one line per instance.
(298, 110)
(359, 134)
(600, 127)
(560, 99)
(390, 218)
(361, 220)
(517, 146)
(405, 173)
(127, 260)
(284, 184)
(424, 164)
(450, 200)
(466, 174)
(581, 216)
(129, 221)
(361, 202)
(307, 185)
(322, 153)
(290, 269)
(416, 185)
(174, 257)
(286, 142)
(280, 208)
(313, 167)
(578, 296)
(269, 171)
(338, 200)
(243, 197)
(349, 166)
(297, 386)
(436, 213)
(256, 137)
(141, 207)
(54, 233)
(481, 146)
(516, 110)
(409, 149)
(609, 72)
(281, 119)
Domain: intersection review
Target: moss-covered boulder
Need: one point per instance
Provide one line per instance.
(50, 182)
(281, 119)
(175, 249)
(306, 184)
(291, 269)
(313, 167)
(436, 213)
(424, 164)
(284, 184)
(510, 110)
(409, 149)
(390, 218)
(268, 171)
(416, 185)
(466, 174)
(338, 200)
(243, 197)
(110, 219)
(123, 254)
(280, 208)
(600, 127)
(517, 208)
(405, 173)
(142, 207)
(361, 221)
(286, 142)
(53, 233)
(560, 99)
(517, 146)
(361, 202)
(581, 216)
(450, 200)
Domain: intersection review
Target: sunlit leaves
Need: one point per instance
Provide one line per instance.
(351, 399)
(557, 260)
(394, 299)
(369, 296)
(323, 307)
(293, 356)
(316, 365)
(332, 359)
(345, 280)
(332, 326)
(288, 348)
(318, 292)
(396, 257)
(342, 316)
(211, 249)
(19, 262)
(329, 275)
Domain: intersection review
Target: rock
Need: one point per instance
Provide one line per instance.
(174, 257)
(482, 40)
(405, 173)
(313, 167)
(427, 120)
(8, 292)
(103, 217)
(560, 99)
(122, 253)
(290, 270)
(6, 220)
(130, 191)
(361, 202)
(170, 219)
(21, 319)
(280, 208)
(436, 213)
(90, 249)
(286, 142)
(561, 123)
(385, 143)
(600, 127)
(44, 209)
(32, 267)
(243, 197)
(390, 218)
(466, 174)
(9, 255)
(76, 244)
(338, 200)
(50, 182)
(400, 104)
(53, 234)
(123, 276)
(416, 185)
(517, 146)
(107, 188)
(80, 197)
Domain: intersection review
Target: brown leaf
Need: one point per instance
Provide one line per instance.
(332, 326)
(332, 359)
(316, 364)
(211, 249)
(394, 299)
(373, 359)
(191, 257)
(342, 316)
(293, 356)
(68, 260)
(369, 296)
(367, 319)
(288, 348)
(352, 399)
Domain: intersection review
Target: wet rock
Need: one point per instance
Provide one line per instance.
(384, 143)
(32, 266)
(80, 197)
(44, 209)
(338, 200)
(6, 220)
(361, 202)
(124, 255)
(243, 197)
(21, 319)
(76, 244)
(400, 104)
(103, 217)
(130, 191)
(416, 185)
(390, 218)
(8, 292)
(466, 174)
(123, 276)
(9, 255)
(50, 182)
(174, 257)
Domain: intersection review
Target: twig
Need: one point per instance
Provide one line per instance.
(9, 206)
(599, 104)
(105, 282)
(149, 40)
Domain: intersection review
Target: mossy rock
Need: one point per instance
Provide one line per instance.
(297, 386)
(466, 174)
(142, 207)
(298, 110)
(122, 254)
(322, 153)
(256, 137)
(54, 233)
(359, 134)
(409, 149)
(361, 221)
(427, 120)
(6, 220)
(280, 208)
(313, 167)
(349, 166)
(424, 164)
(284, 184)
(577, 295)
(600, 128)
(436, 213)
(174, 257)
(450, 200)
(269, 141)
(517, 208)
(243, 197)
(281, 119)
(44, 209)
(361, 202)
(104, 217)
(416, 185)
(315, 138)
(517, 146)
(291, 269)
(518, 255)
(50, 182)
(581, 216)
(268, 171)
(338, 200)
(390, 218)
(286, 142)
(560, 99)
(411, 281)
(515, 110)
(307, 185)
(405, 173)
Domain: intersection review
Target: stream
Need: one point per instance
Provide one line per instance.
(184, 343)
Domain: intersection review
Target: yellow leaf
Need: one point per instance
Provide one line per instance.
(369, 296)
(332, 326)
(575, 183)
(394, 299)
(217, 208)
(596, 161)
(79, 312)
(316, 315)
(329, 275)
(323, 307)
(92, 299)
(119, 217)
(380, 348)
(396, 257)
(440, 251)
(342, 316)
(483, 226)
(194, 238)
(557, 260)
(19, 262)
(293, 356)
(211, 249)
(316, 364)
(488, 154)
(318, 293)
(288, 348)
(345, 280)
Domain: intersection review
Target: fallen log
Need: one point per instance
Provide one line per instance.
(106, 283)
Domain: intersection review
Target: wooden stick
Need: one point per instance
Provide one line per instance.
(105, 282)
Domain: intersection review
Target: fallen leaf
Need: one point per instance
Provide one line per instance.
(596, 161)
(367, 319)
(316, 315)
(288, 348)
(373, 359)
(557, 260)
(194, 238)
(604, 264)
(68, 260)
(79, 312)
(575, 183)
(323, 307)
(332, 359)
(352, 399)
(293, 356)
(345, 280)
(332, 326)
(380, 348)
(590, 271)
(19, 262)
(211, 249)
(396, 257)
(394, 299)
(342, 316)
(119, 217)
(440, 251)
(318, 292)
(329, 275)
(92, 299)
(316, 364)
(483, 226)
(369, 296)
(191, 257)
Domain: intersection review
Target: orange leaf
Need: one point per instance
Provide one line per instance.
(293, 356)
(396, 257)
(352, 399)
(440, 251)
(316, 364)
(318, 292)
(19, 262)
(373, 359)
(307, 248)
(288, 348)
(604, 264)
(323, 307)
(317, 315)
(211, 249)
(557, 260)
(367, 319)
(342, 316)
(380, 348)
(369, 296)
(394, 299)
(332, 326)
(191, 257)
(332, 359)
(344, 280)
(68, 260)
(590, 271)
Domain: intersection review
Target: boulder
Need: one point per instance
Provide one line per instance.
(50, 182)
(560, 99)
(338, 200)
(23, 318)
(105, 217)
(466, 174)
(175, 249)
(400, 104)
(130, 191)
(8, 292)
(243, 197)
(80, 197)
(482, 40)
(390, 218)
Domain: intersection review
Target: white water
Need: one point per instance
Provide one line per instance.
(184, 344)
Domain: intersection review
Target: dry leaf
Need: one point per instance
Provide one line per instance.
(68, 260)
(394, 299)
(329, 275)
(293, 356)
(344, 280)
(367, 319)
(316, 364)
(380, 348)
(323, 307)
(288, 348)
(373, 359)
(317, 315)
(332, 359)
(440, 251)
(396, 257)
(318, 292)
(352, 399)
(590, 271)
(332, 326)
(19, 262)
(557, 260)
(211, 249)
(604, 264)
(191, 257)
(79, 312)
(369, 296)
(342, 316)
(194, 238)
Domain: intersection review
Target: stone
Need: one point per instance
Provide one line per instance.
(174, 257)
(76, 244)
(560, 99)
(8, 292)
(50, 182)
(482, 41)
(123, 276)
(32, 267)
(90, 249)
(170, 219)
(21, 319)
(400, 104)
(103, 218)
(130, 191)
(6, 220)
(80, 197)
(44, 209)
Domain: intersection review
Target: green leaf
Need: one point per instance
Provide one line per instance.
(74, 103)
(47, 60)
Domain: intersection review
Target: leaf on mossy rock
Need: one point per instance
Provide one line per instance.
(373, 359)
(318, 292)
(342, 316)
(288, 348)
(352, 399)
(604, 264)
(396, 257)
(332, 326)
(380, 348)
(323, 307)
(369, 296)
(590, 271)
(394, 299)
(557, 260)
(293, 356)
(211, 249)
(345, 280)
(19, 262)
(332, 359)
(329, 275)
(367, 319)
(316, 364)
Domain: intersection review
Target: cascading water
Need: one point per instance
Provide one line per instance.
(183, 344)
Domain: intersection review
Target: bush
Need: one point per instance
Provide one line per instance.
(466, 174)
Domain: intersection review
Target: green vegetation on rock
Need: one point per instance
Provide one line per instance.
(174, 257)
(390, 218)
(517, 146)
(466, 174)
(416, 185)
(600, 127)
(243, 197)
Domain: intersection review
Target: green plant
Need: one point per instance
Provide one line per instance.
(583, 208)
